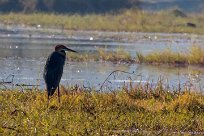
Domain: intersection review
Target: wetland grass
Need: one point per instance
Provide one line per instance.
(195, 56)
(139, 109)
(131, 20)
(120, 55)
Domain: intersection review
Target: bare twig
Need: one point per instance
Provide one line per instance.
(115, 71)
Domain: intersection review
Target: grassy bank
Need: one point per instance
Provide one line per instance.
(138, 110)
(128, 20)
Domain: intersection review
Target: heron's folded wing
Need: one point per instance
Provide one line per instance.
(54, 69)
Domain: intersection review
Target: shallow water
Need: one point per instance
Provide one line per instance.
(23, 53)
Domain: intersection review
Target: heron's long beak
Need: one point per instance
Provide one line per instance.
(67, 49)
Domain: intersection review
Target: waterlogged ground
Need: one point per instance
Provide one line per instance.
(23, 52)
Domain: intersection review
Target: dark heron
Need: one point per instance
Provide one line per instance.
(54, 68)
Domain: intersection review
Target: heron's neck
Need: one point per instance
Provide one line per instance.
(62, 52)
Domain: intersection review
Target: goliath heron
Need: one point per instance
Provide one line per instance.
(54, 68)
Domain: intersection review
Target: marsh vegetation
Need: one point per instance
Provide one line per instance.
(128, 20)
(195, 56)
(140, 109)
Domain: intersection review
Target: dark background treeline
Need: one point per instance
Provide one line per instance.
(97, 6)
(66, 6)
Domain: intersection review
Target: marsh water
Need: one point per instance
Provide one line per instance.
(23, 52)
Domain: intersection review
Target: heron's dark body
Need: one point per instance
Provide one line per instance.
(53, 71)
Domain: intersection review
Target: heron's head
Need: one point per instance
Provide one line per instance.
(62, 48)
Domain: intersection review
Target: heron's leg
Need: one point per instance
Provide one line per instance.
(48, 100)
(58, 94)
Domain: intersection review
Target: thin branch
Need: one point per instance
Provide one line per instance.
(115, 71)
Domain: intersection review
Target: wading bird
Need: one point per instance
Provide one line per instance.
(54, 68)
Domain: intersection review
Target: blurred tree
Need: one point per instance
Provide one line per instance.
(46, 5)
(66, 6)
(3, 1)
(9, 5)
(28, 5)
